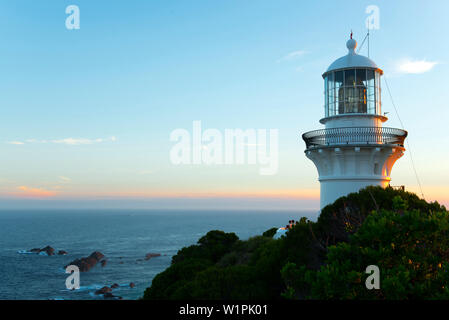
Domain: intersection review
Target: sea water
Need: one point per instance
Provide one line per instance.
(123, 236)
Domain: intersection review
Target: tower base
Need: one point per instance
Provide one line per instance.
(332, 189)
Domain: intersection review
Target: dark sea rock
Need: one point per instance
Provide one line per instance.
(85, 264)
(62, 252)
(103, 290)
(97, 255)
(48, 250)
(103, 263)
(148, 256)
(132, 285)
(115, 285)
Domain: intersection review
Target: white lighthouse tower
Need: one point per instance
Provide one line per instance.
(354, 150)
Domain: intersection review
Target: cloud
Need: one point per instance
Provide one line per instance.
(68, 141)
(415, 66)
(76, 141)
(65, 179)
(292, 55)
(35, 192)
(81, 141)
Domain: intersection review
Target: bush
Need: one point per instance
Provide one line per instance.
(411, 250)
(270, 232)
(210, 247)
(404, 235)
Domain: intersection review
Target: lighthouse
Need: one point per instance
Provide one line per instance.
(354, 150)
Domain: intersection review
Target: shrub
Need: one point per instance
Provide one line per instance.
(406, 237)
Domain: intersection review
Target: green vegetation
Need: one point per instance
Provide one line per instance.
(406, 237)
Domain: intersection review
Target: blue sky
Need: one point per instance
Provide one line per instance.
(86, 114)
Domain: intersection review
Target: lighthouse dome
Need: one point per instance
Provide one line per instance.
(352, 60)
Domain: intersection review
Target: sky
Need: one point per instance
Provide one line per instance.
(87, 114)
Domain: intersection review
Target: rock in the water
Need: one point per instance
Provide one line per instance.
(97, 255)
(85, 264)
(62, 252)
(49, 251)
(148, 256)
(115, 285)
(103, 262)
(103, 290)
(132, 285)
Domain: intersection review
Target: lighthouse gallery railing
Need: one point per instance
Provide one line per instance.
(354, 135)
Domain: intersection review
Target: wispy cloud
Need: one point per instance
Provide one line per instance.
(15, 142)
(34, 192)
(67, 141)
(292, 55)
(414, 66)
(80, 141)
(65, 179)
(77, 141)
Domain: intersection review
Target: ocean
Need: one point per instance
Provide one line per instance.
(123, 236)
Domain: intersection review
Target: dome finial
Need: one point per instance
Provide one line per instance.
(351, 44)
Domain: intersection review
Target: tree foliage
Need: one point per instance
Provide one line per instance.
(406, 237)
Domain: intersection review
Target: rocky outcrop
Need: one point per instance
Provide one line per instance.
(85, 264)
(148, 256)
(103, 290)
(132, 285)
(103, 263)
(62, 252)
(107, 292)
(49, 251)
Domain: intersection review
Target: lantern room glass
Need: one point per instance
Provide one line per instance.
(354, 90)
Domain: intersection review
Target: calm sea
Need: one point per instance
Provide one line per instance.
(123, 236)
